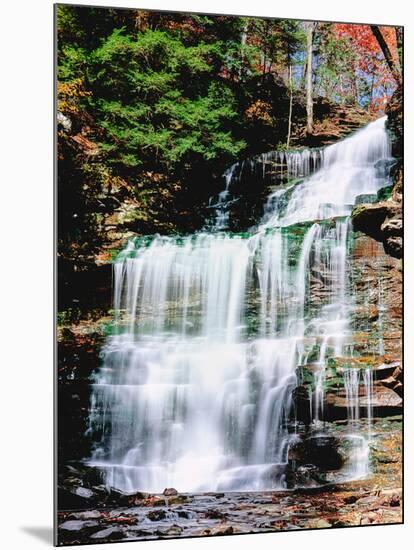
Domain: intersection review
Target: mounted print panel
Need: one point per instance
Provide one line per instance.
(229, 275)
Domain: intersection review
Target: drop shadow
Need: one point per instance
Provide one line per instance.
(45, 534)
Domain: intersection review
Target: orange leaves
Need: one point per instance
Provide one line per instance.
(365, 43)
(259, 111)
(69, 94)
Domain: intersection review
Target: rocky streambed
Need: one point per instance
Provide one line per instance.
(374, 500)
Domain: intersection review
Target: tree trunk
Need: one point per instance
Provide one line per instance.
(354, 84)
(243, 43)
(387, 54)
(309, 85)
(372, 91)
(244, 32)
(341, 89)
(399, 33)
(290, 106)
(303, 75)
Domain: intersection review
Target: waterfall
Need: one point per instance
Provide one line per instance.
(267, 169)
(380, 322)
(359, 443)
(368, 382)
(351, 383)
(195, 389)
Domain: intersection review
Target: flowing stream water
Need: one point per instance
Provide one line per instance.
(196, 385)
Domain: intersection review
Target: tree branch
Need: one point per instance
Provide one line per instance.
(387, 54)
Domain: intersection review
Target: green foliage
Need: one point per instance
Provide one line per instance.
(158, 97)
(335, 69)
(158, 104)
(159, 101)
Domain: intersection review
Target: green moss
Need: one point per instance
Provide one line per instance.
(384, 193)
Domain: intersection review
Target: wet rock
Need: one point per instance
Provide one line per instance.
(395, 500)
(394, 112)
(317, 507)
(301, 398)
(137, 499)
(174, 530)
(392, 226)
(153, 501)
(84, 492)
(389, 370)
(214, 514)
(89, 514)
(368, 218)
(108, 534)
(386, 398)
(365, 520)
(170, 492)
(307, 475)
(366, 361)
(386, 401)
(125, 520)
(78, 527)
(385, 458)
(383, 222)
(157, 515)
(322, 451)
(340, 523)
(179, 499)
(69, 500)
(118, 497)
(185, 514)
(351, 499)
(393, 245)
(367, 198)
(222, 530)
(320, 524)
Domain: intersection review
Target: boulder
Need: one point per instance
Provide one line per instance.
(306, 475)
(108, 534)
(157, 515)
(84, 492)
(321, 451)
(393, 245)
(69, 500)
(383, 222)
(369, 218)
(78, 525)
(222, 530)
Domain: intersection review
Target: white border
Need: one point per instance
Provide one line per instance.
(27, 254)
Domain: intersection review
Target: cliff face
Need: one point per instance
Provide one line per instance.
(377, 275)
(394, 112)
(374, 343)
(99, 211)
(382, 220)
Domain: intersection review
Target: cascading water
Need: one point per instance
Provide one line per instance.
(263, 171)
(358, 460)
(195, 388)
(351, 382)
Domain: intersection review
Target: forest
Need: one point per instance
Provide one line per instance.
(154, 106)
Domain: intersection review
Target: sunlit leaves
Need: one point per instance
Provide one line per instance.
(370, 63)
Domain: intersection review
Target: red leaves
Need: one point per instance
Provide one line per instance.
(364, 40)
(370, 59)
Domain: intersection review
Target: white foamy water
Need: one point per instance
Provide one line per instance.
(195, 387)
